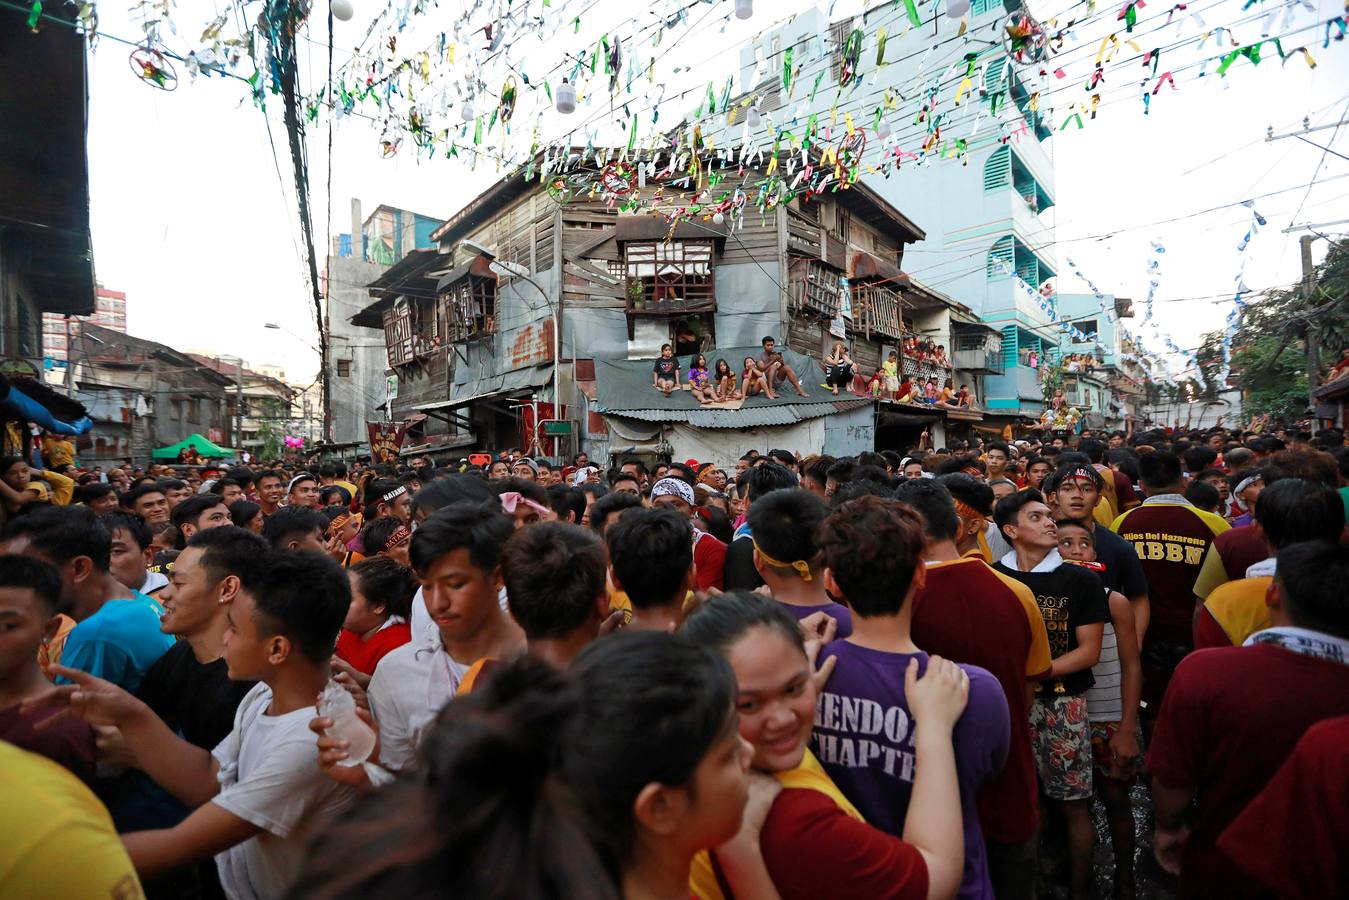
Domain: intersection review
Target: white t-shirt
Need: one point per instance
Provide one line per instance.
(269, 776)
(409, 688)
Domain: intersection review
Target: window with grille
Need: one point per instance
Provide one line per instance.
(471, 308)
(815, 287)
(980, 7)
(838, 38)
(998, 169)
(665, 276)
(344, 368)
(1088, 329)
(1002, 258)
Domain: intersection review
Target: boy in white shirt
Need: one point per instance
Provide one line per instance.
(260, 792)
(456, 552)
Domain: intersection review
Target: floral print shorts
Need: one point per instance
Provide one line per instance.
(1061, 736)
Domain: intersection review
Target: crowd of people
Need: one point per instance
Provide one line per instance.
(891, 675)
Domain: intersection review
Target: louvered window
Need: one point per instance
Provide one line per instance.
(1009, 346)
(998, 169)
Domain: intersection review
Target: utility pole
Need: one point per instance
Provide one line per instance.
(1308, 329)
(238, 405)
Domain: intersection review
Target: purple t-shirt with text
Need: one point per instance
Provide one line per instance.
(836, 611)
(864, 736)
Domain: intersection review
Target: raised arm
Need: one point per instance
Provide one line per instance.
(936, 701)
(184, 770)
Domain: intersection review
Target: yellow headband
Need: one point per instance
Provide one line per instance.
(801, 566)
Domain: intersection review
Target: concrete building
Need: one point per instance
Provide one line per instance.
(1101, 348)
(982, 190)
(263, 405)
(143, 395)
(59, 330)
(356, 369)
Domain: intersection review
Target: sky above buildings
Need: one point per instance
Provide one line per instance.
(194, 216)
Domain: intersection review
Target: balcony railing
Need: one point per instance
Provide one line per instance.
(876, 310)
(981, 361)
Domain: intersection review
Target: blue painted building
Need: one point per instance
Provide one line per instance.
(987, 207)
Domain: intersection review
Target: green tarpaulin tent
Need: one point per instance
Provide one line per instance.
(195, 441)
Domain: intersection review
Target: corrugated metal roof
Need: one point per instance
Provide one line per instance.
(751, 417)
(623, 388)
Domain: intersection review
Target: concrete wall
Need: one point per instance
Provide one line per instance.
(353, 399)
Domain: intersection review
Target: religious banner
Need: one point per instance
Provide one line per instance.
(386, 439)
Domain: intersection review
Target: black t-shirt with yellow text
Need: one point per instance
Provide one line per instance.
(1069, 597)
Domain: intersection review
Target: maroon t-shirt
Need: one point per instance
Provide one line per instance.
(814, 849)
(1239, 549)
(1171, 541)
(1231, 717)
(709, 555)
(68, 741)
(1309, 798)
(965, 613)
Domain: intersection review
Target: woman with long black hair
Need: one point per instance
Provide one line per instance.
(602, 782)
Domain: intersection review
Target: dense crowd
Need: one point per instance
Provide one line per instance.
(892, 675)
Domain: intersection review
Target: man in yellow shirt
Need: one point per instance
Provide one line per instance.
(57, 839)
(1289, 511)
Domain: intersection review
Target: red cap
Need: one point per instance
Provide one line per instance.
(692, 464)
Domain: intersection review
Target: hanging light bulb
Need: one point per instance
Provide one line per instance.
(718, 218)
(342, 10)
(744, 9)
(883, 130)
(753, 118)
(566, 98)
(957, 8)
(467, 112)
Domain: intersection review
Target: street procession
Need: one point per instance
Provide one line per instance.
(714, 449)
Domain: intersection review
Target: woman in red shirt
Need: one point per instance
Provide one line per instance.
(814, 842)
(376, 623)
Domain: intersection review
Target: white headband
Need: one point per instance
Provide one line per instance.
(673, 487)
(303, 476)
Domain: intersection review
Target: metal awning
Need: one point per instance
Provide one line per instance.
(963, 415)
(492, 386)
(865, 266)
(478, 265)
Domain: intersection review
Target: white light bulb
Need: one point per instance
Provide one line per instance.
(957, 8)
(466, 112)
(566, 98)
(744, 9)
(753, 118)
(718, 218)
(883, 130)
(342, 10)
